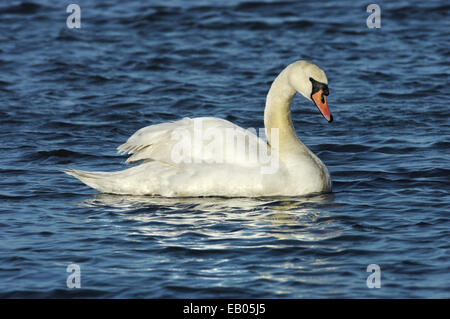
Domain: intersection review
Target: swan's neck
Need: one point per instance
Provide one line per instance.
(277, 115)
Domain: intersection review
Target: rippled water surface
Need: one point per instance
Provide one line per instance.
(68, 98)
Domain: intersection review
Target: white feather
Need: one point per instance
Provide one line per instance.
(226, 169)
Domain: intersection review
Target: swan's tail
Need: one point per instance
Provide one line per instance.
(144, 179)
(101, 181)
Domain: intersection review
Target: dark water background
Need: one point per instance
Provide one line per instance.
(69, 97)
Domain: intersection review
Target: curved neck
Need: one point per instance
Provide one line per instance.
(277, 114)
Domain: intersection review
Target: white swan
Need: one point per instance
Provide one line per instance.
(176, 162)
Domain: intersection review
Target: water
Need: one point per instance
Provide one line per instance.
(70, 97)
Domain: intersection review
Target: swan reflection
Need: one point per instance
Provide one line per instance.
(225, 218)
(210, 233)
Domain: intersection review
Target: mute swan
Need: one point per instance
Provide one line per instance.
(177, 160)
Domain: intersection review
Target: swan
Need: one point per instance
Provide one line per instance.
(193, 157)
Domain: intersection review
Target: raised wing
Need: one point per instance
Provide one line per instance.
(204, 139)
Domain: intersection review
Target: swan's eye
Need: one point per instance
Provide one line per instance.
(317, 86)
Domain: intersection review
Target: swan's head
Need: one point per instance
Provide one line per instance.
(310, 81)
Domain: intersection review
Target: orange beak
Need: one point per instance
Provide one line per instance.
(321, 102)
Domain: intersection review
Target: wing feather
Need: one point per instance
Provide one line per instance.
(157, 142)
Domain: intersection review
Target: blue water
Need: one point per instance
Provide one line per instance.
(69, 97)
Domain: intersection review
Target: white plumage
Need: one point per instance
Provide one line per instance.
(214, 157)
